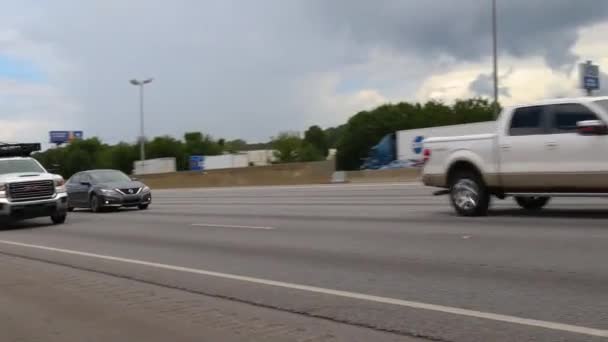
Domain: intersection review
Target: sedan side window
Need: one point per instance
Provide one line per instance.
(527, 121)
(86, 178)
(75, 179)
(565, 117)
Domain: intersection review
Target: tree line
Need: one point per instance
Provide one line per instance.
(352, 139)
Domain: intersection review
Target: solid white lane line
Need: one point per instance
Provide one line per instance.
(345, 294)
(230, 226)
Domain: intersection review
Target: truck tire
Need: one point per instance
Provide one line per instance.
(468, 194)
(532, 202)
(59, 218)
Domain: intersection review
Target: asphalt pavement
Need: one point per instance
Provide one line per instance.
(337, 262)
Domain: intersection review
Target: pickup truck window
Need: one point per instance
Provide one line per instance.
(565, 117)
(527, 121)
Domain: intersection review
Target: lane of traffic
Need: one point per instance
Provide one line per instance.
(503, 265)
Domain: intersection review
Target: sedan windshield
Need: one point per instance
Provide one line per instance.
(110, 176)
(19, 166)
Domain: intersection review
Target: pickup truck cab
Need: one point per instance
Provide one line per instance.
(538, 151)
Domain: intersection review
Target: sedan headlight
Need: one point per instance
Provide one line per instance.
(109, 192)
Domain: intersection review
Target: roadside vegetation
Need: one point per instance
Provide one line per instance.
(352, 139)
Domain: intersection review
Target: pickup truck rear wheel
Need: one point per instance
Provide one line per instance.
(469, 195)
(532, 202)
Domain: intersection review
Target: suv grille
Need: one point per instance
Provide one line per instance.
(28, 191)
(129, 191)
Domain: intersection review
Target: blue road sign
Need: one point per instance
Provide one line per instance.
(197, 163)
(590, 76)
(592, 83)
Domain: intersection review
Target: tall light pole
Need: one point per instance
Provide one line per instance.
(495, 57)
(140, 84)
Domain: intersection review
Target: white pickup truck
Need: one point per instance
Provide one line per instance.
(539, 150)
(27, 190)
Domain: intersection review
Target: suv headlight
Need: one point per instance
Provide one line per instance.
(146, 189)
(2, 190)
(60, 185)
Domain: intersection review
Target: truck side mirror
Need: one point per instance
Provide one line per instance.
(591, 127)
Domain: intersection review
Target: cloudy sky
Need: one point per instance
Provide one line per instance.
(251, 68)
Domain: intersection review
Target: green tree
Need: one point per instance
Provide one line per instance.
(166, 146)
(309, 153)
(122, 157)
(198, 143)
(333, 135)
(316, 138)
(366, 128)
(234, 146)
(286, 147)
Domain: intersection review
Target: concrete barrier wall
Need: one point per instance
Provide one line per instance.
(383, 176)
(280, 174)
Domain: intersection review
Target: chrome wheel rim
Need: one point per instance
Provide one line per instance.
(465, 194)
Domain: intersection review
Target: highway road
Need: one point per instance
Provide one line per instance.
(312, 263)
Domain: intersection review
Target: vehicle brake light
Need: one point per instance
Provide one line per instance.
(426, 155)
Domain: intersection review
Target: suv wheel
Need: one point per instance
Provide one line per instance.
(469, 195)
(532, 202)
(58, 218)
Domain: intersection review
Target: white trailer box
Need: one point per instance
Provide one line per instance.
(409, 142)
(225, 161)
(260, 157)
(150, 166)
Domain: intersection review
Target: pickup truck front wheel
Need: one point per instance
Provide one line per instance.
(469, 195)
(58, 218)
(532, 203)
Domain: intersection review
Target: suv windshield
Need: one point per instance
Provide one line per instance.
(603, 104)
(109, 177)
(19, 166)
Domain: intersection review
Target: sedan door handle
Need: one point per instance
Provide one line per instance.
(551, 144)
(505, 147)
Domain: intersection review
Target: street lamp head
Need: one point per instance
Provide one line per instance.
(148, 81)
(134, 82)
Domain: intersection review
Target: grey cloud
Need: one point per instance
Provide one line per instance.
(603, 85)
(236, 68)
(483, 85)
(463, 28)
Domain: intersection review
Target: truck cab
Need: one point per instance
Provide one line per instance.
(540, 150)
